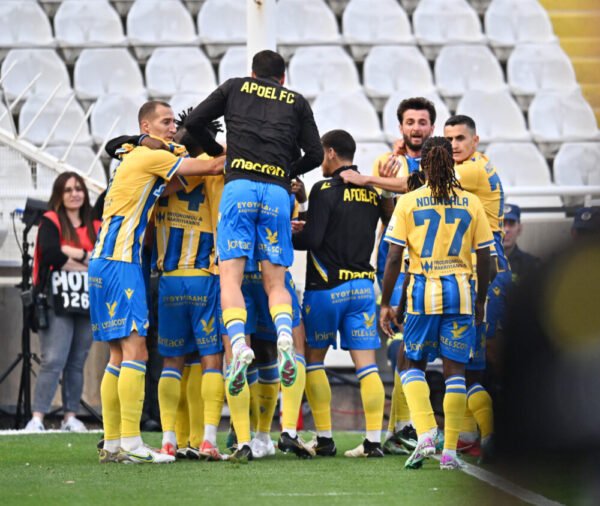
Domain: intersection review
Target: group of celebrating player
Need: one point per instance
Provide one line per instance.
(224, 229)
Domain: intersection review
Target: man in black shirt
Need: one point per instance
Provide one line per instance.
(339, 236)
(520, 261)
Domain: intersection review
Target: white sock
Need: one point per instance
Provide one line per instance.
(238, 345)
(210, 434)
(388, 434)
(450, 453)
(169, 437)
(112, 445)
(263, 436)
(324, 433)
(373, 436)
(429, 434)
(398, 426)
(131, 443)
(291, 432)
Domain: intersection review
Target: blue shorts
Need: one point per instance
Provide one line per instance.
(117, 299)
(477, 362)
(259, 321)
(188, 316)
(428, 336)
(255, 223)
(496, 302)
(382, 252)
(349, 308)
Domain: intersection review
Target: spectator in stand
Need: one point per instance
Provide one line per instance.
(520, 261)
(586, 224)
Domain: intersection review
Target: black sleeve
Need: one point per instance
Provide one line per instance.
(98, 208)
(49, 244)
(114, 144)
(311, 237)
(211, 108)
(309, 141)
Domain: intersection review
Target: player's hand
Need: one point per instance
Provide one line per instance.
(399, 148)
(387, 315)
(353, 177)
(152, 143)
(299, 190)
(479, 312)
(390, 168)
(297, 226)
(219, 166)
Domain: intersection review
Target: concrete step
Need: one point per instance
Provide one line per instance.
(587, 70)
(575, 23)
(581, 47)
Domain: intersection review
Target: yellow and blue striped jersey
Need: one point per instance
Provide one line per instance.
(186, 224)
(133, 190)
(440, 236)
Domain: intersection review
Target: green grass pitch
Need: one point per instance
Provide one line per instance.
(63, 469)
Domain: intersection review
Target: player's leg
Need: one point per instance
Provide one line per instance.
(111, 407)
(213, 394)
(169, 394)
(195, 405)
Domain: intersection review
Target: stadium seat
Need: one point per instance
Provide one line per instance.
(15, 171)
(351, 111)
(386, 67)
(27, 64)
(5, 123)
(122, 6)
(556, 117)
(440, 22)
(24, 24)
(233, 64)
(498, 116)
(390, 117)
(172, 70)
(480, 6)
(409, 5)
(511, 22)
(577, 164)
(322, 68)
(367, 153)
(101, 71)
(110, 108)
(535, 67)
(183, 101)
(80, 157)
(338, 6)
(365, 26)
(521, 164)
(152, 23)
(479, 70)
(222, 24)
(304, 22)
(67, 127)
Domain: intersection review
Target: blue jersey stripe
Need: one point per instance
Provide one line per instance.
(173, 252)
(205, 246)
(450, 294)
(418, 294)
(108, 247)
(140, 229)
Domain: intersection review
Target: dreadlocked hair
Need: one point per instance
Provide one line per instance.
(214, 127)
(437, 161)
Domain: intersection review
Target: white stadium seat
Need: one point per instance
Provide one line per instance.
(88, 23)
(80, 157)
(480, 6)
(577, 164)
(479, 70)
(233, 64)
(367, 153)
(183, 101)
(322, 68)
(388, 68)
(522, 164)
(5, 123)
(351, 111)
(511, 22)
(222, 24)
(108, 108)
(304, 22)
(535, 67)
(172, 70)
(15, 172)
(24, 24)
(101, 71)
(152, 23)
(29, 63)
(498, 117)
(440, 22)
(365, 26)
(556, 117)
(390, 116)
(67, 127)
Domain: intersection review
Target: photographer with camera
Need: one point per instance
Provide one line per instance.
(66, 236)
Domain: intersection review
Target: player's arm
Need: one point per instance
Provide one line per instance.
(386, 209)
(483, 281)
(390, 275)
(115, 144)
(312, 235)
(197, 167)
(387, 179)
(309, 141)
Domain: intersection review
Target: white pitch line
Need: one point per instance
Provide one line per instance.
(319, 494)
(507, 486)
(22, 432)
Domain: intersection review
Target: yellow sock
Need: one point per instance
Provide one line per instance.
(480, 404)
(239, 408)
(234, 320)
(169, 392)
(402, 413)
(373, 400)
(213, 394)
(195, 405)
(416, 391)
(111, 408)
(131, 396)
(392, 418)
(318, 394)
(182, 420)
(455, 402)
(252, 379)
(469, 425)
(291, 397)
